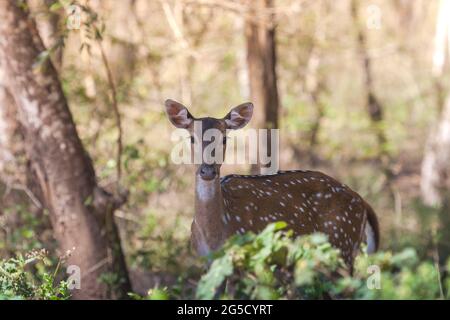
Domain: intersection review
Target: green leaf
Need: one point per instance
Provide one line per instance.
(220, 269)
(158, 294)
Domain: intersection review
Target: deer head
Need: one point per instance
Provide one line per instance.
(208, 135)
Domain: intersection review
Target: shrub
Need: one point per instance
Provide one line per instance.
(18, 283)
(273, 265)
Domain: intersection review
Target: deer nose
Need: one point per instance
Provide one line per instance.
(207, 172)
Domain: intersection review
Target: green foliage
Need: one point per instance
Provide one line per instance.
(220, 269)
(403, 276)
(167, 256)
(16, 282)
(153, 294)
(22, 230)
(273, 265)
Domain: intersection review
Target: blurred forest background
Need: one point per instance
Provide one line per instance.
(359, 90)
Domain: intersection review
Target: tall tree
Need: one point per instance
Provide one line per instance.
(261, 61)
(81, 211)
(435, 175)
(12, 153)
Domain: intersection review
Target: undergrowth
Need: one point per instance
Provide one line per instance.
(275, 265)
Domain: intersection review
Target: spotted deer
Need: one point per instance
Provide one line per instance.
(307, 201)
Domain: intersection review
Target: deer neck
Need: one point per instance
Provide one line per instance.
(208, 228)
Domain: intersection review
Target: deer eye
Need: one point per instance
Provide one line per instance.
(192, 140)
(224, 140)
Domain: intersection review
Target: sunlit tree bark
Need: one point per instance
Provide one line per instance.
(81, 212)
(438, 144)
(11, 139)
(48, 23)
(8, 127)
(435, 175)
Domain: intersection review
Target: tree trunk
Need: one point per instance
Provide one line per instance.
(8, 128)
(261, 61)
(435, 174)
(435, 178)
(437, 147)
(80, 211)
(435, 165)
(15, 172)
(47, 24)
(13, 163)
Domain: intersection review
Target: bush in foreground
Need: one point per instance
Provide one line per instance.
(274, 265)
(17, 282)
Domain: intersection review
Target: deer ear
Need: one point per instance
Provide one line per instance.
(178, 114)
(239, 116)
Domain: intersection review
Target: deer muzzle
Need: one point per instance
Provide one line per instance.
(207, 171)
